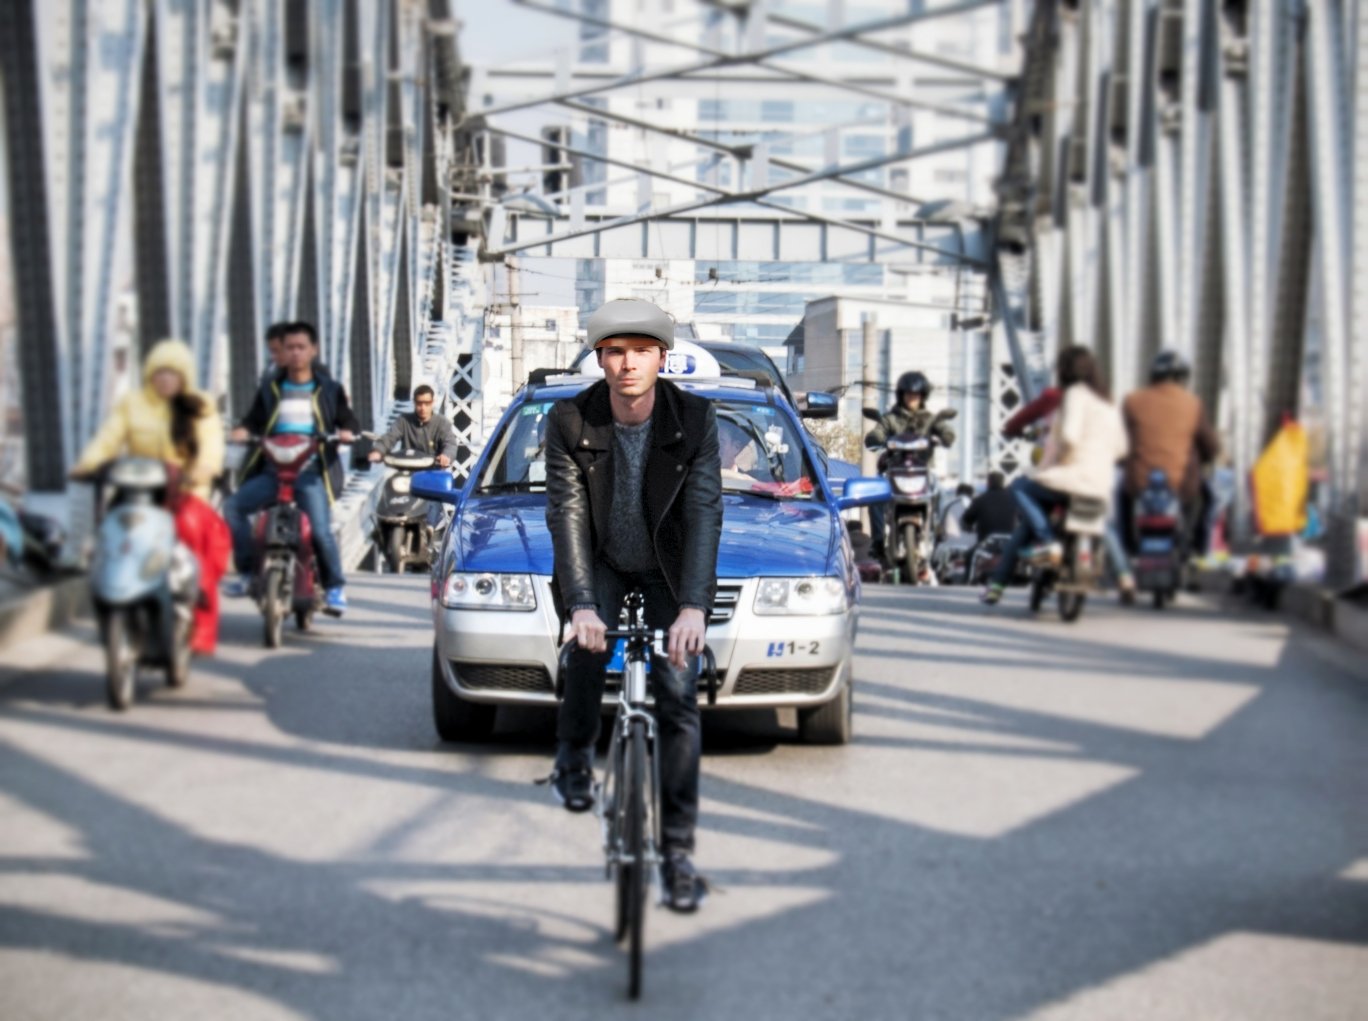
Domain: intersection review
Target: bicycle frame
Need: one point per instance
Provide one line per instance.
(624, 820)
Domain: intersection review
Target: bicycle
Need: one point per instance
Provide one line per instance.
(628, 805)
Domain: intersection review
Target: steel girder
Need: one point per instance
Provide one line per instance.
(229, 163)
(1191, 168)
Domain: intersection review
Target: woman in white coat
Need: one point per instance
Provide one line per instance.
(1086, 440)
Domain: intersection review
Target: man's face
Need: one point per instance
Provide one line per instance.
(276, 350)
(631, 365)
(299, 351)
(911, 401)
(422, 407)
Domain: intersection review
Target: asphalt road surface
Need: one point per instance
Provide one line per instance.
(1137, 816)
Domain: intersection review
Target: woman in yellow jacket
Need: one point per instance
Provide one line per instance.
(170, 420)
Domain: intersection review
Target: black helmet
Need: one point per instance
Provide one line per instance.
(914, 383)
(1169, 366)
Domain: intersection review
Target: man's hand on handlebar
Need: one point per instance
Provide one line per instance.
(686, 636)
(374, 455)
(346, 436)
(443, 461)
(239, 435)
(587, 630)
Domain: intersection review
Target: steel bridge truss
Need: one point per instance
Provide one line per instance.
(237, 162)
(1182, 175)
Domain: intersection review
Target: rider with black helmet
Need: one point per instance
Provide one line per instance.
(1169, 431)
(908, 415)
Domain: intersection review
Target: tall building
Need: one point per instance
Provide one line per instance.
(742, 128)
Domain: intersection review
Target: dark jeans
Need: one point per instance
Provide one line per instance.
(1036, 502)
(676, 705)
(877, 519)
(312, 497)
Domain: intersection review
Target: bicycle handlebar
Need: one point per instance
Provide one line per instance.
(707, 671)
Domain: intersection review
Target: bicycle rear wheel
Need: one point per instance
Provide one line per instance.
(632, 875)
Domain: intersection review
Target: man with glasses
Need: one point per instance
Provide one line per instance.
(419, 430)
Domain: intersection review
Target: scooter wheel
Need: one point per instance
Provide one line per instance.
(121, 662)
(273, 610)
(178, 670)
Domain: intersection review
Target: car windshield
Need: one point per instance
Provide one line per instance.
(519, 458)
(761, 450)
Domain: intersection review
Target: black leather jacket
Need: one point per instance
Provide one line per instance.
(682, 492)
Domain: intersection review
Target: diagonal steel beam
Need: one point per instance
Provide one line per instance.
(874, 232)
(917, 56)
(792, 73)
(757, 57)
(742, 152)
(612, 162)
(876, 162)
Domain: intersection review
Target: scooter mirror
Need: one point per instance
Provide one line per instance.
(945, 414)
(871, 413)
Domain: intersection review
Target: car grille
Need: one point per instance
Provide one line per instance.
(725, 603)
(804, 681)
(502, 677)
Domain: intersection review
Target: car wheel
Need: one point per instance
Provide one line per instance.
(455, 718)
(830, 722)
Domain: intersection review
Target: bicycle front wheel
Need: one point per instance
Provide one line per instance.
(632, 873)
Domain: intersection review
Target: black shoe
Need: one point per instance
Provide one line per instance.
(573, 788)
(682, 888)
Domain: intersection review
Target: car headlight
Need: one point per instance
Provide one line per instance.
(798, 596)
(463, 591)
(401, 483)
(910, 484)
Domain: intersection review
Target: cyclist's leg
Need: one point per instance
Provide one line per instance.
(577, 725)
(678, 724)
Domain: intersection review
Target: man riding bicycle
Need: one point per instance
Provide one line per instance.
(634, 501)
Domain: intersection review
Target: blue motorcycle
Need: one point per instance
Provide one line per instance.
(1159, 535)
(143, 580)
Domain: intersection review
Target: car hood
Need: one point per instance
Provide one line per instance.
(507, 533)
(775, 537)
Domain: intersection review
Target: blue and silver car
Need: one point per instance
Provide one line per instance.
(787, 605)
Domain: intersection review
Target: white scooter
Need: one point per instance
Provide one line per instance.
(143, 580)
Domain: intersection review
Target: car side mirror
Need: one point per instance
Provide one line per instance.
(862, 492)
(818, 404)
(438, 484)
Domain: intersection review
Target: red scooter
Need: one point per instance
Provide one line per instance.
(286, 579)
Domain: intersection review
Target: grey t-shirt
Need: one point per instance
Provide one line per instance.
(629, 545)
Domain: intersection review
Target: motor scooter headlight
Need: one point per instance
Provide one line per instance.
(800, 597)
(910, 485)
(401, 483)
(486, 591)
(153, 565)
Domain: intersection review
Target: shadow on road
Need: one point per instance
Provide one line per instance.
(1247, 828)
